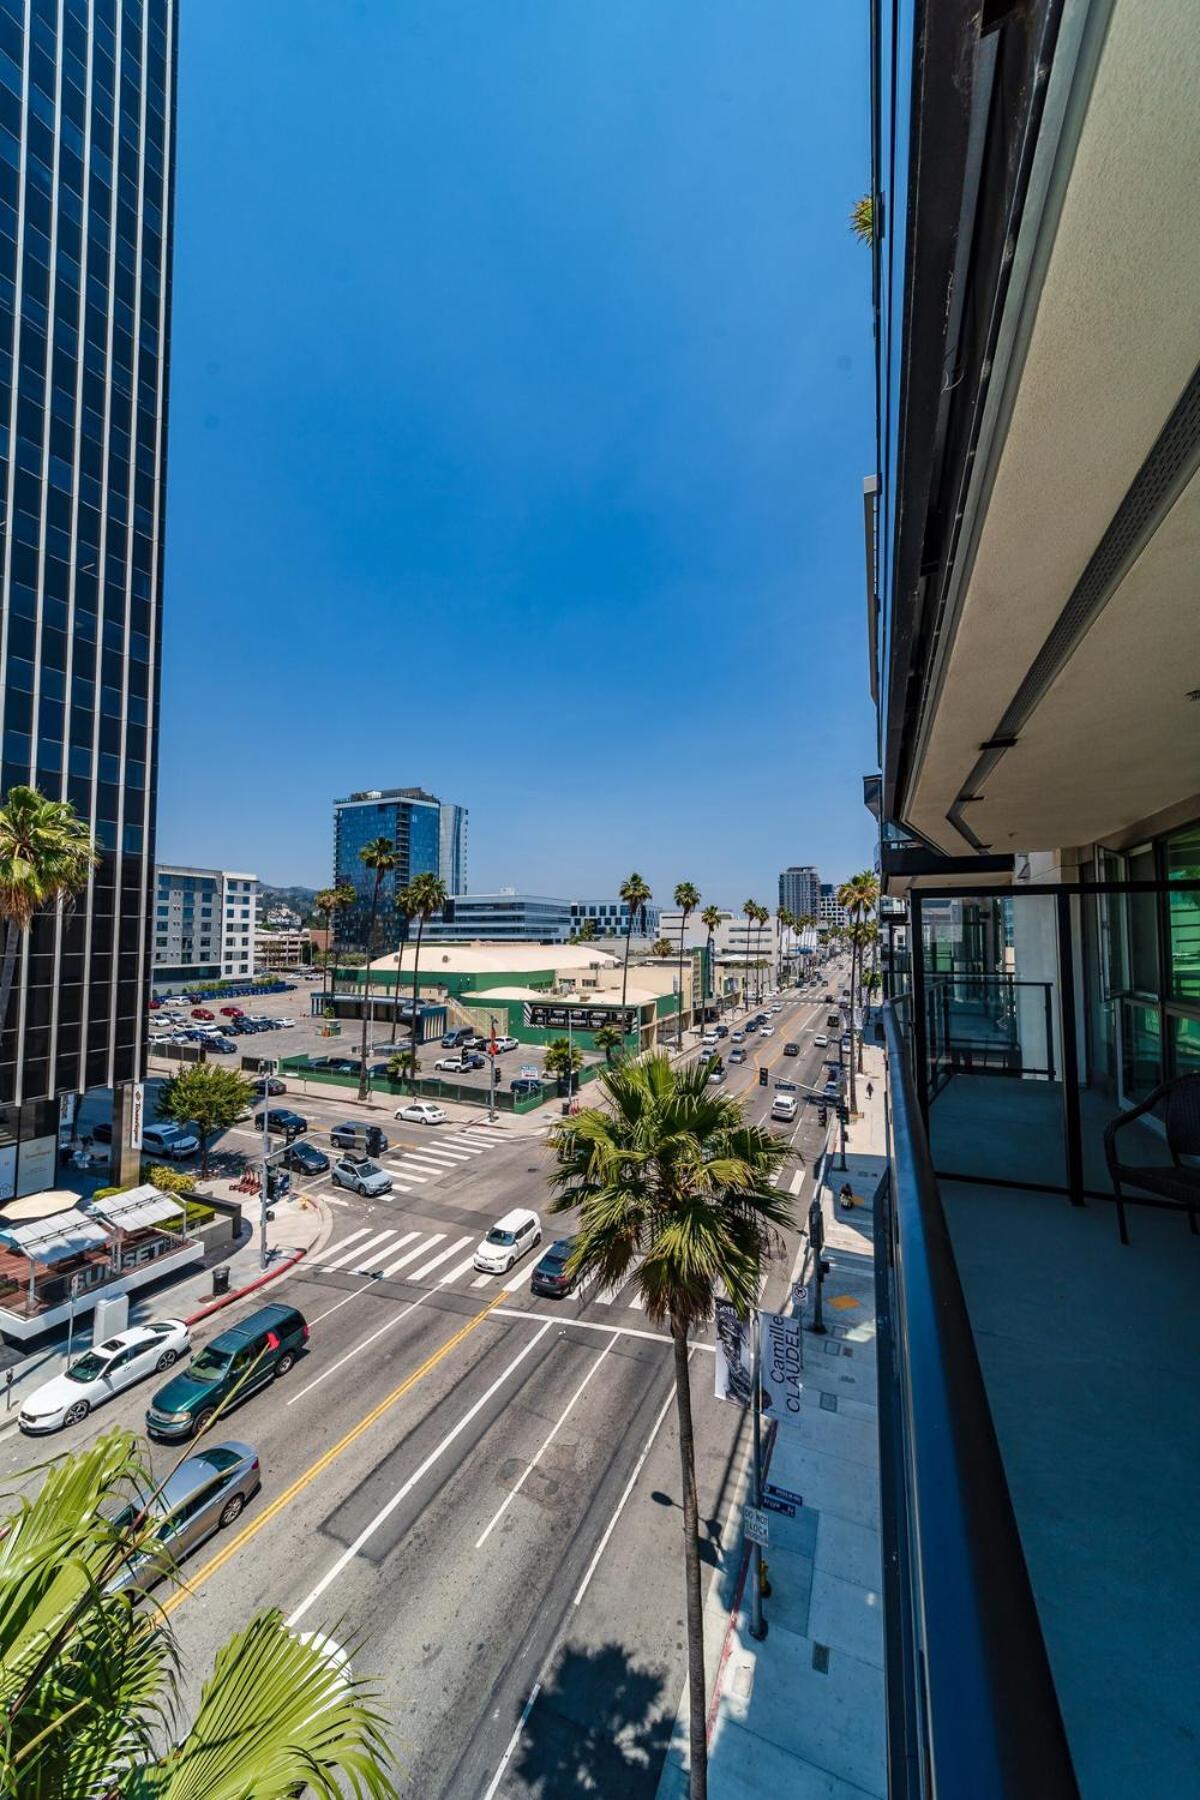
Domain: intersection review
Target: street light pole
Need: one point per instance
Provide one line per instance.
(758, 1627)
(265, 1066)
(492, 1086)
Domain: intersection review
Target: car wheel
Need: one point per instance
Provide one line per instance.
(510, 1264)
(76, 1412)
(203, 1420)
(166, 1359)
(232, 1509)
(284, 1364)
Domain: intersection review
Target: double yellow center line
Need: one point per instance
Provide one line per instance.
(322, 1463)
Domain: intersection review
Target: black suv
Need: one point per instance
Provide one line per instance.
(236, 1364)
(791, 1049)
(282, 1123)
(367, 1138)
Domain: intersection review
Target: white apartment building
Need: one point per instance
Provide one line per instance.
(829, 909)
(204, 925)
(735, 939)
(282, 948)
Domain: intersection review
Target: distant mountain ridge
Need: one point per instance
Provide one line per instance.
(300, 899)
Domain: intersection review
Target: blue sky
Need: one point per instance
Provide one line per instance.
(520, 405)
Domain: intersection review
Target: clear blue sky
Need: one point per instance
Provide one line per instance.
(520, 405)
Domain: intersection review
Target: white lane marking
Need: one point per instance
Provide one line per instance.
(402, 1492)
(514, 1740)
(609, 1295)
(377, 1256)
(339, 1262)
(340, 1245)
(629, 1486)
(441, 1153)
(358, 1348)
(464, 1268)
(797, 1181)
(651, 1337)
(545, 1445)
(392, 1166)
(520, 1278)
(637, 1303)
(480, 1280)
(437, 1261)
(426, 1169)
(412, 1255)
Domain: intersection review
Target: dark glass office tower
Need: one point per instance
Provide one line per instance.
(429, 836)
(86, 175)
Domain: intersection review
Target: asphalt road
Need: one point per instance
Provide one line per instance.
(479, 1487)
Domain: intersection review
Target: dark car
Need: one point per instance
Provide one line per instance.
(343, 1065)
(750, 1025)
(791, 1049)
(453, 1039)
(281, 1122)
(525, 1084)
(722, 1030)
(550, 1276)
(367, 1138)
(235, 1365)
(269, 1086)
(306, 1159)
(222, 1045)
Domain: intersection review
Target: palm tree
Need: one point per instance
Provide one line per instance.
(710, 918)
(662, 948)
(687, 899)
(328, 902)
(858, 897)
(750, 908)
(786, 922)
(46, 856)
(608, 1038)
(379, 856)
(91, 1685)
(635, 893)
(762, 915)
(424, 896)
(676, 1188)
(862, 220)
(563, 1059)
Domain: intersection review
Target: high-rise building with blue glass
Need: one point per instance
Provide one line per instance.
(86, 177)
(428, 836)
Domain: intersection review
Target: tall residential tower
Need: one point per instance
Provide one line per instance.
(800, 891)
(429, 836)
(86, 176)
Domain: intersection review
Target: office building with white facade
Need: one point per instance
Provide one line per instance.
(610, 918)
(205, 921)
(830, 910)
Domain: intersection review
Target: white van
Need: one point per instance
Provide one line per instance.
(508, 1240)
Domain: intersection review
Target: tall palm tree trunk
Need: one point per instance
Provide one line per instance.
(416, 1011)
(853, 1077)
(12, 941)
(328, 952)
(364, 1085)
(625, 970)
(697, 1686)
(682, 929)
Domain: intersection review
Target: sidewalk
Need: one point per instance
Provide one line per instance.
(296, 1228)
(802, 1713)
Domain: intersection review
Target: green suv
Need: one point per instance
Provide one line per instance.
(234, 1365)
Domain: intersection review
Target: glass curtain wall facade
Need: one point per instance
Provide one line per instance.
(86, 176)
(428, 837)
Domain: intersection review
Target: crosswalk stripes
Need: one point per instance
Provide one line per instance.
(436, 1262)
(456, 1274)
(410, 1256)
(378, 1256)
(609, 1294)
(353, 1254)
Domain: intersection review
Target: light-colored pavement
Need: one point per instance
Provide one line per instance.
(802, 1712)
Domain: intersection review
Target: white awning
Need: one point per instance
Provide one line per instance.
(138, 1207)
(54, 1240)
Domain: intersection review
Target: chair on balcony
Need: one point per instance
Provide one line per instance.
(1177, 1182)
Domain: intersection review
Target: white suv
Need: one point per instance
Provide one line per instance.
(508, 1240)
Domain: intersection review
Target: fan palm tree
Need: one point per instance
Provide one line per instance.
(424, 896)
(676, 1188)
(762, 915)
(862, 220)
(635, 893)
(710, 918)
(608, 1038)
(750, 908)
(858, 897)
(687, 899)
(786, 922)
(90, 1683)
(380, 857)
(46, 856)
(328, 902)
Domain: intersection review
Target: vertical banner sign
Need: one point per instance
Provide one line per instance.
(137, 1106)
(66, 1114)
(782, 1363)
(733, 1375)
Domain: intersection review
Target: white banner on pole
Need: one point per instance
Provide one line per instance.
(733, 1376)
(782, 1364)
(137, 1108)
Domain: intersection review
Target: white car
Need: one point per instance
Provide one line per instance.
(508, 1241)
(287, 1024)
(737, 1037)
(103, 1372)
(505, 1043)
(820, 1040)
(766, 1031)
(783, 1106)
(422, 1112)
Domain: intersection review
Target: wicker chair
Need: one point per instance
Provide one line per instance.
(1176, 1182)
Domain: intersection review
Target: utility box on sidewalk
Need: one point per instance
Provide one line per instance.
(111, 1315)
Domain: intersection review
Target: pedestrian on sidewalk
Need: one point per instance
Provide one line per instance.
(846, 1196)
(870, 1089)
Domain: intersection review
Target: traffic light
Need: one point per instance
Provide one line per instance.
(822, 1114)
(762, 1078)
(843, 1112)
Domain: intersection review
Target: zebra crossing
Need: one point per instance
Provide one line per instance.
(440, 1259)
(413, 1169)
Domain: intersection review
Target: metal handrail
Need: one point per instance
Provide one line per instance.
(972, 1706)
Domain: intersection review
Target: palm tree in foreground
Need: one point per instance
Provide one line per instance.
(687, 899)
(677, 1190)
(424, 896)
(380, 857)
(635, 892)
(46, 856)
(90, 1680)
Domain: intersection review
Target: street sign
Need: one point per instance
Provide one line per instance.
(781, 1500)
(773, 1505)
(754, 1523)
(799, 1293)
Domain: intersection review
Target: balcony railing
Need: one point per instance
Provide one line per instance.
(972, 1707)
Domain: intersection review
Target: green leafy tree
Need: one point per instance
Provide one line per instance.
(687, 899)
(380, 857)
(608, 1038)
(90, 1681)
(674, 1187)
(208, 1097)
(425, 896)
(47, 854)
(587, 932)
(635, 892)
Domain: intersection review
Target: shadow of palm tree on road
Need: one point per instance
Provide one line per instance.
(598, 1728)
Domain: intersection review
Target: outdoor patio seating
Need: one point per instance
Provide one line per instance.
(1177, 1182)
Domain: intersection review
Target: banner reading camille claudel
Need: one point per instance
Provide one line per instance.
(782, 1350)
(734, 1380)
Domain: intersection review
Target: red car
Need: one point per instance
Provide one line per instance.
(231, 1012)
(202, 1012)
(154, 1005)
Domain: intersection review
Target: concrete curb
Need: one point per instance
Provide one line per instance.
(215, 1306)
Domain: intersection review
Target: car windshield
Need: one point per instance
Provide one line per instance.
(496, 1236)
(88, 1368)
(210, 1363)
(554, 1261)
